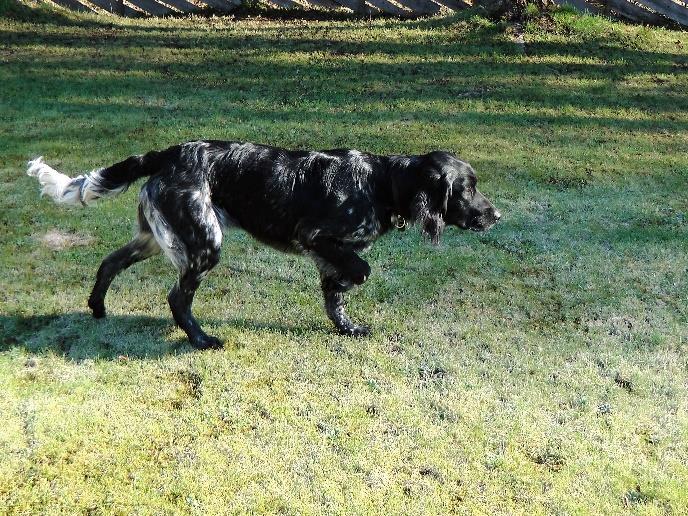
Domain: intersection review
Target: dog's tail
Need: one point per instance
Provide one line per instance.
(103, 182)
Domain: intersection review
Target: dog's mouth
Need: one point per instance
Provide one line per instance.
(484, 223)
(480, 223)
(480, 229)
(473, 226)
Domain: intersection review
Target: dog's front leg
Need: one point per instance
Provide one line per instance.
(340, 270)
(333, 291)
(340, 261)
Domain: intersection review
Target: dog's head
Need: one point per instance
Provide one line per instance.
(440, 189)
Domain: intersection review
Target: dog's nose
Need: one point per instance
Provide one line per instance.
(497, 215)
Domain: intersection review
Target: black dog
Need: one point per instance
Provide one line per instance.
(328, 205)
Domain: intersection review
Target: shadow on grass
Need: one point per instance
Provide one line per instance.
(176, 77)
(77, 336)
(44, 15)
(238, 77)
(15, 10)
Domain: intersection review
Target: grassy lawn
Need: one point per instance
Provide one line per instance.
(539, 368)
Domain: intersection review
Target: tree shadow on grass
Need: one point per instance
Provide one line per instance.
(233, 84)
(47, 15)
(77, 336)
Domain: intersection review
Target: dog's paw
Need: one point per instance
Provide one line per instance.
(206, 342)
(98, 308)
(360, 273)
(355, 331)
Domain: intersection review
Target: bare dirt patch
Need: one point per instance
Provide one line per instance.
(58, 240)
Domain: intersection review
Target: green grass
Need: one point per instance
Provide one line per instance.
(539, 368)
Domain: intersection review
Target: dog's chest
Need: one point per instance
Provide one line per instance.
(361, 231)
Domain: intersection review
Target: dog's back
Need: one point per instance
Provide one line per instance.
(269, 191)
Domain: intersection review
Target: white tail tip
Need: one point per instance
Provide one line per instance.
(59, 187)
(34, 166)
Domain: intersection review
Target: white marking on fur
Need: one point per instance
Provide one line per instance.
(313, 155)
(199, 150)
(209, 218)
(80, 190)
(225, 221)
(243, 151)
(342, 196)
(403, 161)
(361, 169)
(330, 168)
(197, 144)
(168, 241)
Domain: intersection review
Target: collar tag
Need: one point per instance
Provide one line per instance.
(399, 222)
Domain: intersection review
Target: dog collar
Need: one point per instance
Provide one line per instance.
(399, 222)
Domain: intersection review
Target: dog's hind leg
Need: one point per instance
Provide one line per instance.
(141, 247)
(187, 229)
(181, 297)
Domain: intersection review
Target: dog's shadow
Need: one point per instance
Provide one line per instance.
(77, 336)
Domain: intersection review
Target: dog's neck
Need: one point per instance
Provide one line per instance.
(391, 190)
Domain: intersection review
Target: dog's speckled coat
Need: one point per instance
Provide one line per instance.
(329, 205)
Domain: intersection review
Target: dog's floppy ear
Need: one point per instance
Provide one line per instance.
(421, 190)
(430, 204)
(443, 192)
